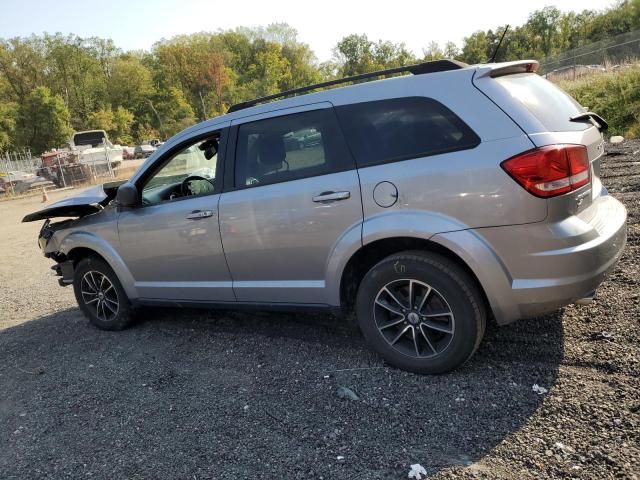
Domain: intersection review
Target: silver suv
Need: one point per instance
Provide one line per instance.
(424, 203)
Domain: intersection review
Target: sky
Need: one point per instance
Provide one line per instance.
(137, 24)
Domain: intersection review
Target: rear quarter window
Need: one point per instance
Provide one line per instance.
(402, 128)
(550, 105)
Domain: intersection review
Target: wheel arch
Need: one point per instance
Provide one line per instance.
(79, 245)
(80, 253)
(370, 254)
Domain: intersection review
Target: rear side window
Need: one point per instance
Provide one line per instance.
(550, 105)
(290, 147)
(402, 128)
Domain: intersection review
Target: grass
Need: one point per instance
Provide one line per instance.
(615, 95)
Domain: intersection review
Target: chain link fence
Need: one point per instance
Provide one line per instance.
(606, 55)
(22, 173)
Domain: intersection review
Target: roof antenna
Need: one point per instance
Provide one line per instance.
(495, 52)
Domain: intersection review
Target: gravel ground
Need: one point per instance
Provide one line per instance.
(198, 394)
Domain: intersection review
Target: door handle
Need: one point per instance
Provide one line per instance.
(331, 196)
(198, 214)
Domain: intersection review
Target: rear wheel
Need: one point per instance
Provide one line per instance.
(100, 295)
(421, 312)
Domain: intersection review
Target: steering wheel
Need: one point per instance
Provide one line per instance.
(185, 184)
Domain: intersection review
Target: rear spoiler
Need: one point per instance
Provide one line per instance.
(506, 68)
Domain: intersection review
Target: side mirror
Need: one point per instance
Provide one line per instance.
(210, 148)
(127, 195)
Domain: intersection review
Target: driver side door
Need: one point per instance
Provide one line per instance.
(171, 243)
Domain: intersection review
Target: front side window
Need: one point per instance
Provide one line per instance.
(402, 128)
(289, 147)
(190, 171)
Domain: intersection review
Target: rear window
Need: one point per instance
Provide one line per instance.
(550, 105)
(402, 128)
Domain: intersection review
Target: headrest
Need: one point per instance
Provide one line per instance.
(271, 150)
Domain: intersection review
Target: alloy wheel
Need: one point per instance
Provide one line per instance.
(99, 293)
(414, 318)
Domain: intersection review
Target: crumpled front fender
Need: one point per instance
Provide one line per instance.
(83, 239)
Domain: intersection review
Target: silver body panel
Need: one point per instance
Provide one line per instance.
(174, 257)
(278, 241)
(272, 244)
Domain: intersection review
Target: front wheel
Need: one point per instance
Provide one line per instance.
(100, 295)
(421, 312)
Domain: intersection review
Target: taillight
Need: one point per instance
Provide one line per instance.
(550, 171)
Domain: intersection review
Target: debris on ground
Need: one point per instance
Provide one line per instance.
(344, 392)
(417, 471)
(36, 371)
(538, 389)
(563, 448)
(603, 335)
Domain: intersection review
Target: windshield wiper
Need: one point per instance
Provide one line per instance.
(591, 117)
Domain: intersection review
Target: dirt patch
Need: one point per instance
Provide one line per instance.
(198, 394)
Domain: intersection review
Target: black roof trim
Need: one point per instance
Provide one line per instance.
(417, 69)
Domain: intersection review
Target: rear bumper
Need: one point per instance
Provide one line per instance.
(551, 265)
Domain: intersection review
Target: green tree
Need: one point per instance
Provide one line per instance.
(196, 66)
(129, 83)
(433, 52)
(451, 50)
(145, 133)
(171, 113)
(281, 33)
(42, 121)
(356, 54)
(623, 17)
(102, 120)
(122, 123)
(475, 48)
(23, 64)
(76, 74)
(117, 123)
(8, 114)
(269, 71)
(302, 65)
(544, 25)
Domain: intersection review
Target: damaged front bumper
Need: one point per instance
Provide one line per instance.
(64, 270)
(85, 203)
(64, 267)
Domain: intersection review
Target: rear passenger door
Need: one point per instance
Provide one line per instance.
(295, 193)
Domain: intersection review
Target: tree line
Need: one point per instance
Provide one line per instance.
(51, 85)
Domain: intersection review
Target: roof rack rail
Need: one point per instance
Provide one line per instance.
(416, 69)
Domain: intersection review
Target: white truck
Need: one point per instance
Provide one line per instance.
(94, 148)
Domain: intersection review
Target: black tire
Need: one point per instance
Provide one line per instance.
(434, 341)
(96, 288)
